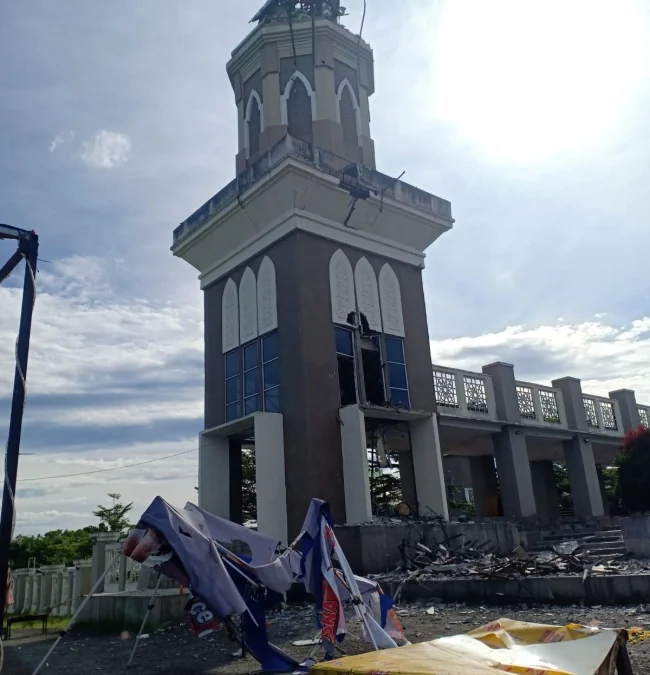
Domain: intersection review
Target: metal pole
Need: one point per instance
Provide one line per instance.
(28, 246)
(73, 618)
(150, 606)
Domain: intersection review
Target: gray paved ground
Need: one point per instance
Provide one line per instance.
(175, 651)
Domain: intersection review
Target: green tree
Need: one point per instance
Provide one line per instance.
(113, 518)
(633, 484)
(57, 547)
(248, 492)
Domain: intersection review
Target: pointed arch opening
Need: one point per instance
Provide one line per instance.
(298, 107)
(253, 124)
(349, 113)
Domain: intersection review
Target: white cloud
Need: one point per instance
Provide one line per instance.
(604, 356)
(68, 503)
(106, 150)
(60, 139)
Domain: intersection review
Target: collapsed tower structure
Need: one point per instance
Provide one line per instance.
(316, 340)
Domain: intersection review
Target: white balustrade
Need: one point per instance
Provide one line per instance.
(540, 405)
(463, 393)
(603, 415)
(644, 414)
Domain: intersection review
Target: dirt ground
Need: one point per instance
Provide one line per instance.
(174, 651)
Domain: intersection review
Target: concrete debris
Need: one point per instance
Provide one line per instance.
(471, 559)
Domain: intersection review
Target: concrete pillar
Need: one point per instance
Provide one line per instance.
(583, 477)
(214, 474)
(82, 581)
(121, 579)
(20, 577)
(407, 479)
(67, 583)
(271, 85)
(270, 476)
(29, 592)
(573, 403)
(356, 480)
(515, 481)
(36, 593)
(510, 452)
(505, 391)
(55, 598)
(46, 586)
(427, 466)
(630, 417)
(484, 483)
(545, 489)
(603, 491)
(98, 562)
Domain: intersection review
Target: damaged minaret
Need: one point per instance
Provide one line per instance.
(316, 342)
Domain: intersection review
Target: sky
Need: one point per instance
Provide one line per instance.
(118, 120)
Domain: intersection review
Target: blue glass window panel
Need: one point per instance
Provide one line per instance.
(232, 390)
(251, 382)
(232, 364)
(270, 347)
(271, 374)
(251, 405)
(397, 376)
(251, 356)
(272, 400)
(394, 350)
(344, 343)
(233, 412)
(400, 398)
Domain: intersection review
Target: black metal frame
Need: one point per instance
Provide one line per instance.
(27, 249)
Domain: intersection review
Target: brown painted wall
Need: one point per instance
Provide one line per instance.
(309, 387)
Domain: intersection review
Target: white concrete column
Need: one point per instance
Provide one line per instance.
(36, 593)
(214, 474)
(270, 476)
(583, 478)
(356, 480)
(427, 466)
(20, 577)
(29, 592)
(55, 598)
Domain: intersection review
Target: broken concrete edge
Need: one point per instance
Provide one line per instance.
(556, 590)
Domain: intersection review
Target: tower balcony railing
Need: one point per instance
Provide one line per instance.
(464, 393)
(603, 415)
(644, 414)
(540, 405)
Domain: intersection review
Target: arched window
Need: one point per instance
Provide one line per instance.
(349, 114)
(253, 124)
(299, 112)
(298, 107)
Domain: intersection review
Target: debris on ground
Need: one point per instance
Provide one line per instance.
(472, 559)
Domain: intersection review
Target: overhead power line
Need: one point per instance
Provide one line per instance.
(114, 468)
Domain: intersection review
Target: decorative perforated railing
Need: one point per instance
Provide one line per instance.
(539, 405)
(464, 393)
(603, 415)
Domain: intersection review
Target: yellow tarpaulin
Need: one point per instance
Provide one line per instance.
(509, 646)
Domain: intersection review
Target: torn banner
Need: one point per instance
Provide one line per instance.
(504, 645)
(188, 545)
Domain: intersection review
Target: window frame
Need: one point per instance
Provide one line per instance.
(390, 387)
(239, 401)
(244, 370)
(263, 363)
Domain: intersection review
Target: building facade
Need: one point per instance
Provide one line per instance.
(317, 352)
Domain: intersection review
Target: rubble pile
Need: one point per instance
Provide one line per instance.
(470, 559)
